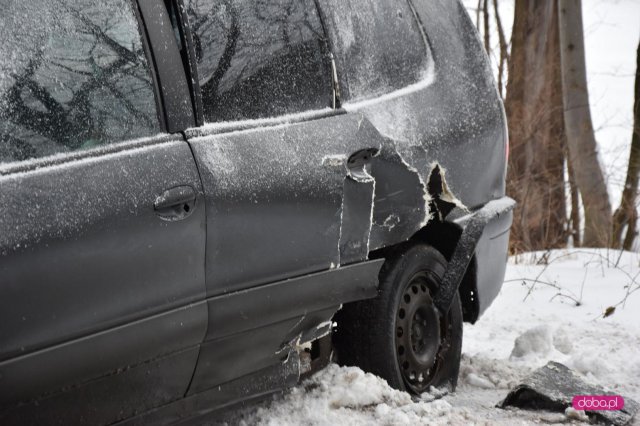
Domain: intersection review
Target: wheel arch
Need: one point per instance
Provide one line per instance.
(444, 237)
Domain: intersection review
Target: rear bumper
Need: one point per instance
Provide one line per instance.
(491, 258)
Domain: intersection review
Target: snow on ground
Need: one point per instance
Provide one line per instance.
(550, 308)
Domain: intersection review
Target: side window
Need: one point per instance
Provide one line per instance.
(259, 58)
(379, 45)
(73, 75)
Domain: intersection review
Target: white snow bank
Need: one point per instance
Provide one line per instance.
(537, 340)
(550, 308)
(348, 396)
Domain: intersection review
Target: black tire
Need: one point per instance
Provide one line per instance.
(374, 334)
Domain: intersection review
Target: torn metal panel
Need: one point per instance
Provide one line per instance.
(357, 207)
(303, 343)
(401, 198)
(553, 387)
(443, 200)
(312, 359)
(453, 116)
(357, 210)
(318, 332)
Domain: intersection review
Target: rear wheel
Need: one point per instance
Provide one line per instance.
(400, 335)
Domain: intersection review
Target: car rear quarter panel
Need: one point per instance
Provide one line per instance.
(453, 118)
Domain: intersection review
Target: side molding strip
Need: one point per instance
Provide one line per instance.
(268, 304)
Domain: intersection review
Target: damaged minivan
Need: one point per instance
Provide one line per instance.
(204, 201)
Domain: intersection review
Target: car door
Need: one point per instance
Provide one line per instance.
(276, 158)
(102, 222)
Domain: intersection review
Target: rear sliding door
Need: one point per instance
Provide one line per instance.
(273, 159)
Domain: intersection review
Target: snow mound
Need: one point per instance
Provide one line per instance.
(590, 364)
(541, 341)
(480, 382)
(487, 373)
(537, 340)
(349, 396)
(562, 341)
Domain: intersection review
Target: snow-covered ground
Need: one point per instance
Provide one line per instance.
(550, 308)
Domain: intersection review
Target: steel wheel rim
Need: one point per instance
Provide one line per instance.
(421, 333)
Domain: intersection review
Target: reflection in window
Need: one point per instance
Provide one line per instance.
(259, 58)
(73, 75)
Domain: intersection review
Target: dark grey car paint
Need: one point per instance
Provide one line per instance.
(278, 186)
(281, 202)
(83, 251)
(197, 408)
(252, 329)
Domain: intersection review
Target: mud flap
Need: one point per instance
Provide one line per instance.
(552, 388)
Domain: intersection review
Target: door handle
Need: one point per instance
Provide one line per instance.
(176, 203)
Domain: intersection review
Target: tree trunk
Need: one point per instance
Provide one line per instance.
(583, 152)
(626, 214)
(487, 29)
(575, 206)
(504, 49)
(536, 128)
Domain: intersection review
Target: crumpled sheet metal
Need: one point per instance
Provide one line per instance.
(552, 388)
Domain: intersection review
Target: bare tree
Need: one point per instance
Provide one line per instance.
(487, 28)
(483, 25)
(504, 48)
(536, 128)
(574, 219)
(626, 215)
(581, 142)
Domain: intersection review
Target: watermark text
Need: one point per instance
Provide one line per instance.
(598, 402)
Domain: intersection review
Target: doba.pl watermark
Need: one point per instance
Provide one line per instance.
(598, 402)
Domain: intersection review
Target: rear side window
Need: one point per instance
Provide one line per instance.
(259, 58)
(73, 75)
(379, 45)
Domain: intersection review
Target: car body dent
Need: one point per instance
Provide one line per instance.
(384, 203)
